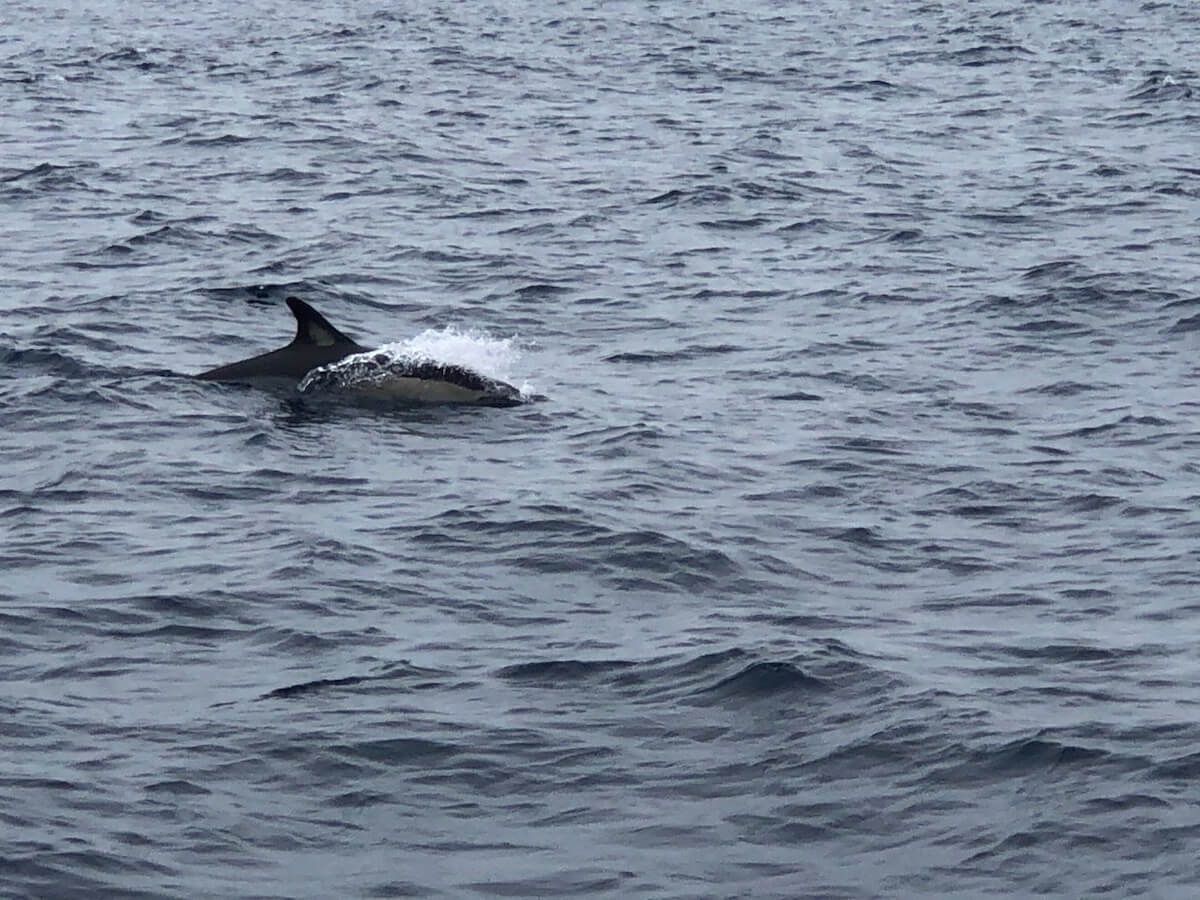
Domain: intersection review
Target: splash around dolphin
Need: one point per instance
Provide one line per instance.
(321, 358)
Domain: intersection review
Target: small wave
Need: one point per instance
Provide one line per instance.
(1122, 802)
(1038, 756)
(701, 196)
(763, 679)
(987, 55)
(1185, 325)
(41, 361)
(1062, 389)
(561, 672)
(1184, 769)
(531, 291)
(735, 224)
(709, 679)
(223, 140)
(1090, 502)
(1056, 270)
(697, 351)
(42, 171)
(177, 788)
(1048, 326)
(807, 225)
(796, 396)
(390, 674)
(44, 178)
(1124, 423)
(1068, 653)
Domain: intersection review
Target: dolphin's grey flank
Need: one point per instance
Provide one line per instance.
(317, 343)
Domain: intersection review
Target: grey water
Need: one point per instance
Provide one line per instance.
(848, 548)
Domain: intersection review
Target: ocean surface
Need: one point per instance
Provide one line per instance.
(846, 547)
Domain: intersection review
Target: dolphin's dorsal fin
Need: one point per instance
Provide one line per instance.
(312, 327)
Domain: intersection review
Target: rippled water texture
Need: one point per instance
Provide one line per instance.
(851, 551)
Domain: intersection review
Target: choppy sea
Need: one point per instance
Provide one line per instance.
(848, 544)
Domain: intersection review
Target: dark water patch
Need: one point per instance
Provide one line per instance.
(890, 299)
(1030, 758)
(796, 396)
(815, 225)
(1066, 653)
(768, 832)
(1090, 502)
(312, 687)
(399, 751)
(1052, 326)
(195, 634)
(393, 677)
(75, 873)
(294, 176)
(177, 788)
(735, 224)
(759, 680)
(852, 379)
(542, 291)
(869, 446)
(392, 889)
(669, 356)
(42, 361)
(1064, 388)
(790, 188)
(1125, 425)
(579, 882)
(360, 800)
(1123, 802)
(1000, 600)
(110, 667)
(987, 55)
(700, 196)
(47, 177)
(50, 784)
(651, 553)
(1185, 325)
(983, 411)
(619, 440)
(563, 672)
(800, 624)
(222, 140)
(1050, 451)
(1054, 271)
(708, 679)
(1184, 769)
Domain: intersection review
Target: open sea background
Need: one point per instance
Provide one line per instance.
(850, 551)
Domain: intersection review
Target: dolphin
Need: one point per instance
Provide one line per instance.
(304, 364)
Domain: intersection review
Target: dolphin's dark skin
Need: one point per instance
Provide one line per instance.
(317, 343)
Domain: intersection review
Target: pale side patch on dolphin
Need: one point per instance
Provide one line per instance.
(309, 362)
(379, 375)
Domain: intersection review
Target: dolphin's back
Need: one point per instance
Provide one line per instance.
(283, 363)
(317, 343)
